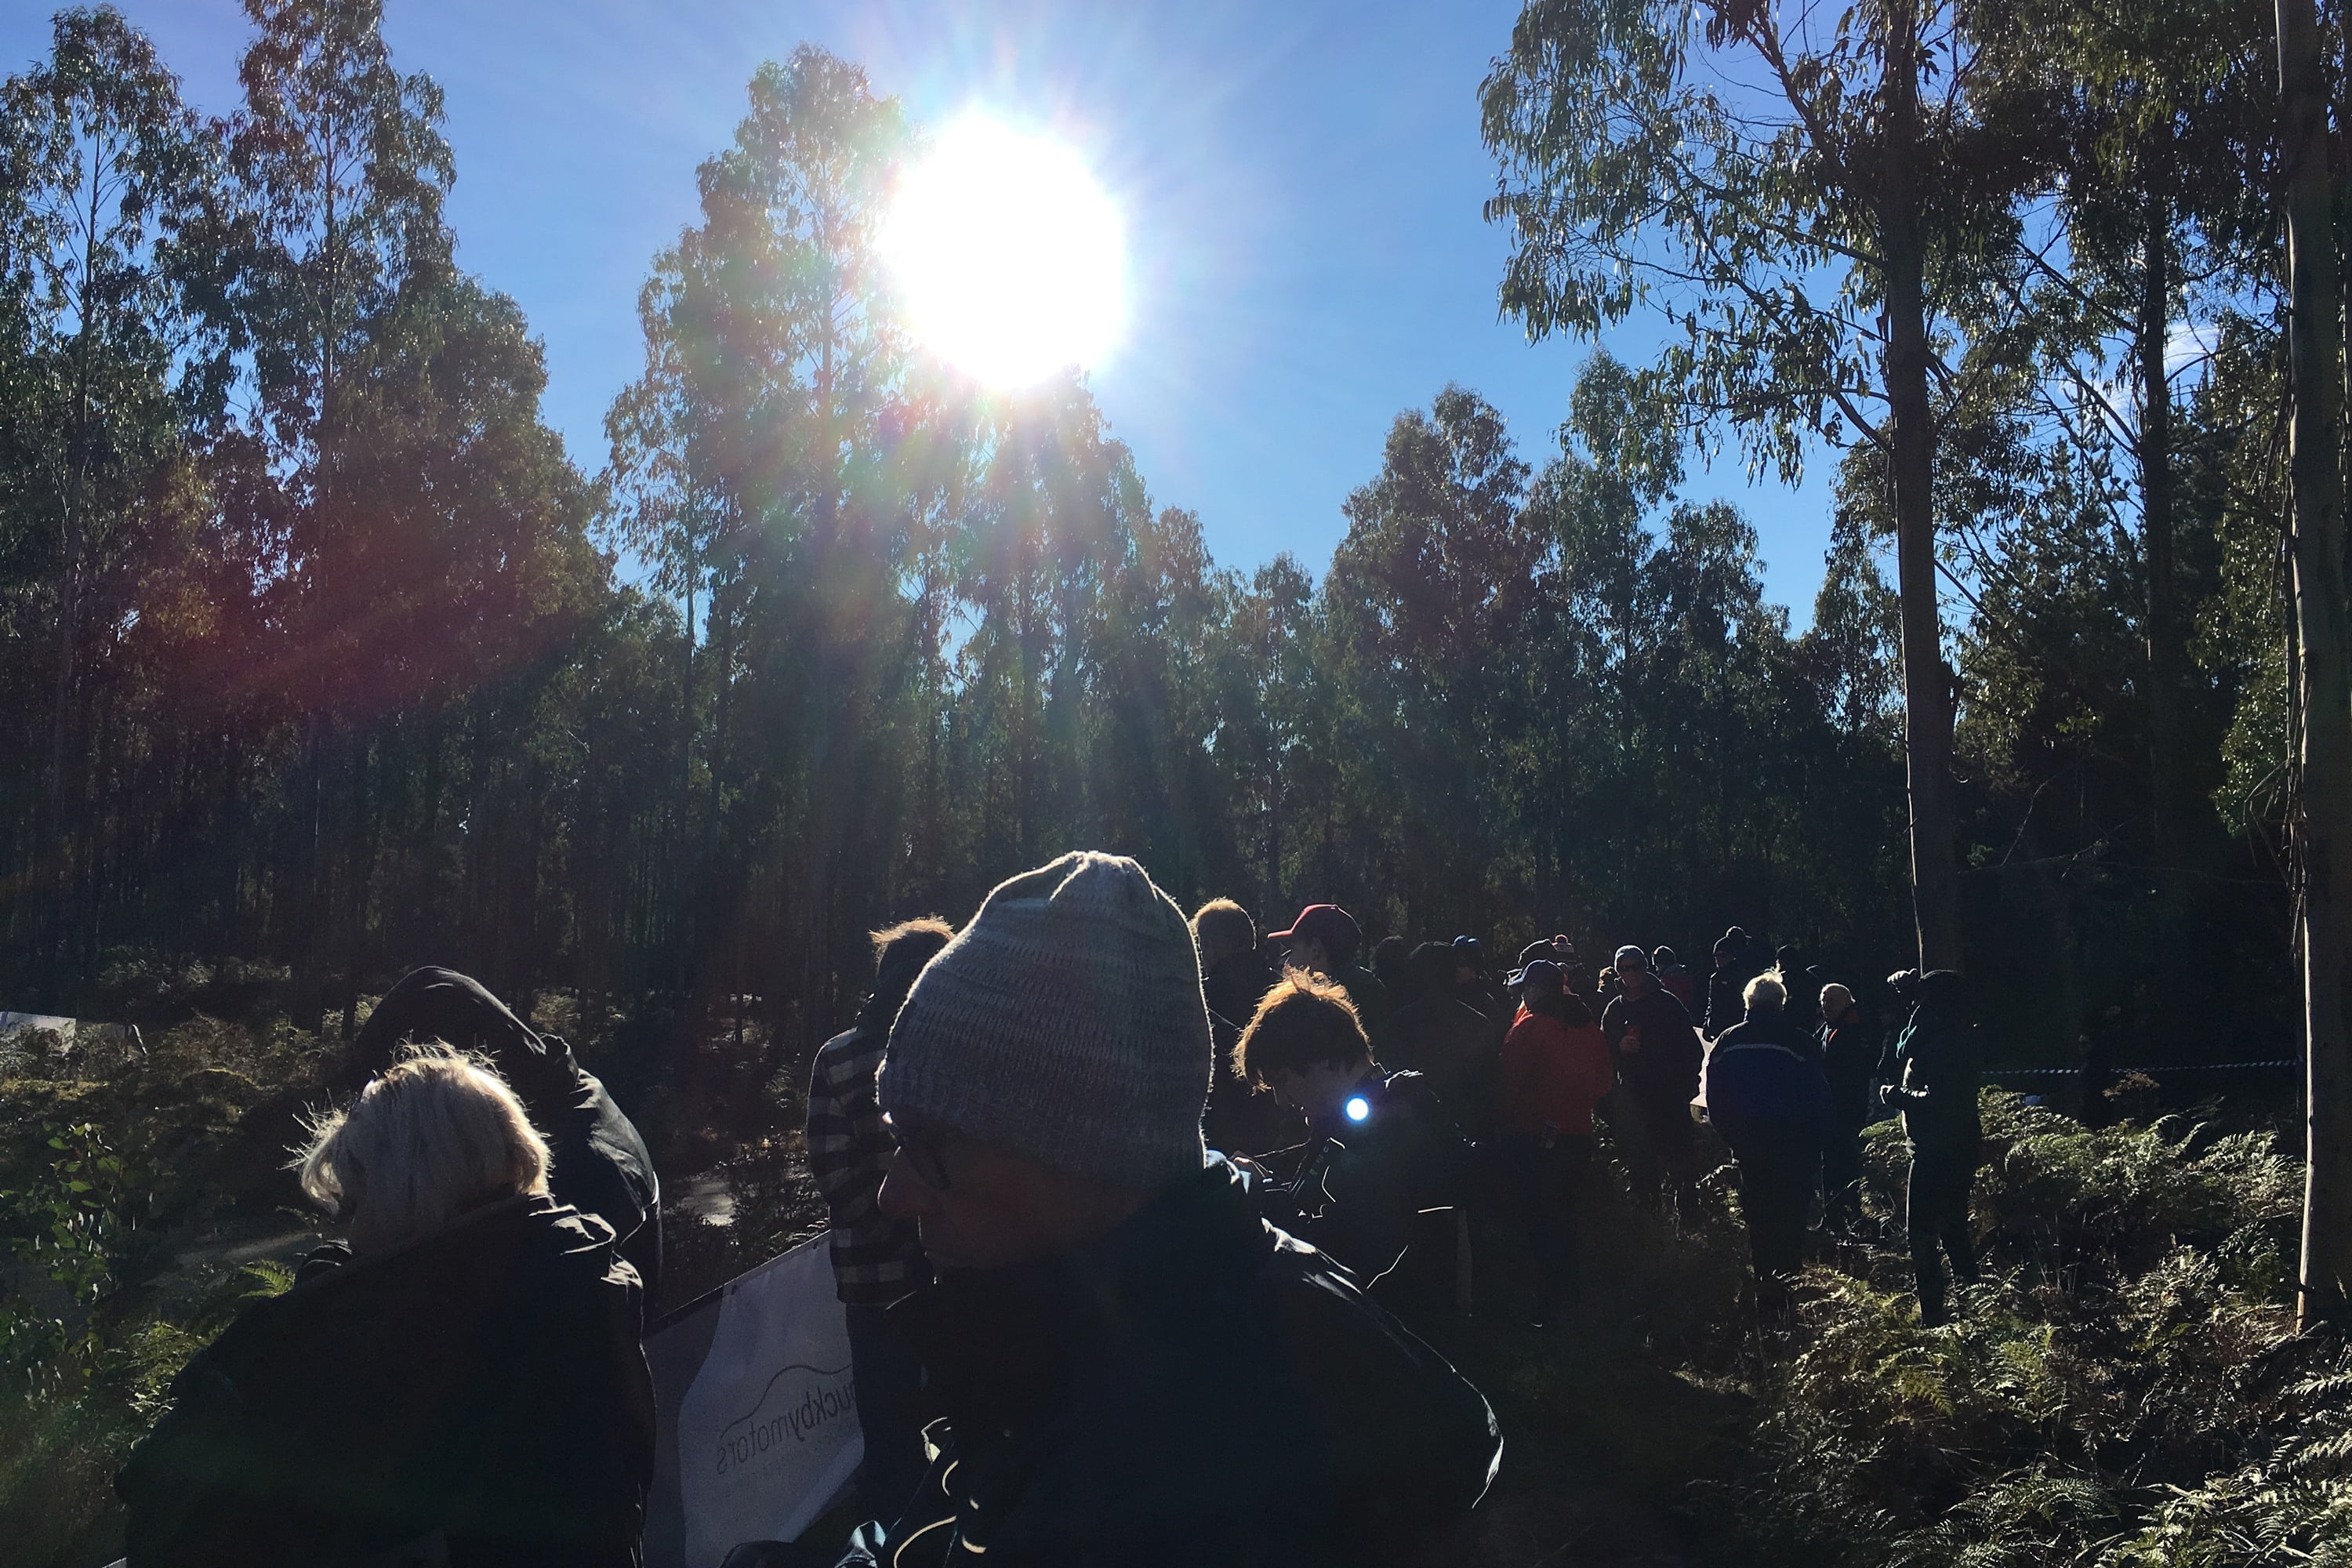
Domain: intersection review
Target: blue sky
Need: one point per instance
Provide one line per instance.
(1302, 181)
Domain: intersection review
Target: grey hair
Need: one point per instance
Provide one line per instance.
(433, 1137)
(1767, 992)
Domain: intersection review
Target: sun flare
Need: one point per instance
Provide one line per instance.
(1011, 256)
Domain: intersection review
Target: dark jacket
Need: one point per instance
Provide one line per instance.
(1663, 1073)
(1849, 1057)
(483, 1384)
(1725, 1004)
(1241, 1119)
(1373, 1186)
(1764, 1081)
(1370, 998)
(601, 1165)
(1938, 1075)
(1195, 1388)
(1451, 1045)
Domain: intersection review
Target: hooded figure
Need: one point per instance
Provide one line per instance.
(460, 1383)
(601, 1165)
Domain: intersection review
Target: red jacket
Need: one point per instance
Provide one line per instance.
(1553, 1075)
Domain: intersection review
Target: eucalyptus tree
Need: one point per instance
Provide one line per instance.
(769, 461)
(2316, 357)
(341, 169)
(102, 168)
(1802, 193)
(1427, 599)
(2157, 117)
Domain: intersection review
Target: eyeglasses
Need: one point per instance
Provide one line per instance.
(924, 1153)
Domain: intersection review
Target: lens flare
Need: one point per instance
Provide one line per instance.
(1012, 258)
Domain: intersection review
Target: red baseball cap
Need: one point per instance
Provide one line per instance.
(1327, 923)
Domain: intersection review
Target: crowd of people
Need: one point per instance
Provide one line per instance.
(1133, 1218)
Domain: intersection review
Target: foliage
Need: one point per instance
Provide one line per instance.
(2127, 1378)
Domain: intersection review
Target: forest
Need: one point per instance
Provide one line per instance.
(325, 657)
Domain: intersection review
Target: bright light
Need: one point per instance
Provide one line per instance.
(1013, 258)
(1358, 1109)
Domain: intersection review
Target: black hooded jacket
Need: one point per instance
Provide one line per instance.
(1197, 1387)
(481, 1388)
(600, 1165)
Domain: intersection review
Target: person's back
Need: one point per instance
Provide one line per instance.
(1766, 1070)
(601, 1165)
(1196, 1388)
(470, 1388)
(1939, 1076)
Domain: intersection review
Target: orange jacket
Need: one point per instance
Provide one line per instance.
(1553, 1075)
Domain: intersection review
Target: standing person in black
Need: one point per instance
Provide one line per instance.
(876, 1260)
(600, 1165)
(1725, 1007)
(1451, 1044)
(1938, 1076)
(458, 1382)
(1242, 1118)
(1658, 1059)
(1804, 988)
(1850, 1057)
(1474, 988)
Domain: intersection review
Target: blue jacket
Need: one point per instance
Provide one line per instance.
(1764, 1079)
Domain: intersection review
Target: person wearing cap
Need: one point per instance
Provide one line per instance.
(1658, 1058)
(1556, 1069)
(1850, 1058)
(1766, 1094)
(1382, 1174)
(1673, 979)
(1132, 1367)
(1938, 1075)
(1325, 940)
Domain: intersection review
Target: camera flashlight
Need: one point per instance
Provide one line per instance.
(1358, 1109)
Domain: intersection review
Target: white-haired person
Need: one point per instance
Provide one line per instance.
(1767, 1095)
(458, 1381)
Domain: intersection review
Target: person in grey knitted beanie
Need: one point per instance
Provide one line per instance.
(1064, 1024)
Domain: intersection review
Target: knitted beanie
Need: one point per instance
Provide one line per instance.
(1064, 1024)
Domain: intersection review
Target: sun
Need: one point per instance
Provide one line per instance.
(1011, 256)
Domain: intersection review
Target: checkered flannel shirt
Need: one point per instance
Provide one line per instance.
(876, 1260)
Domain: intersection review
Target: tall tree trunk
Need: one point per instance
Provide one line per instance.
(2165, 794)
(1926, 684)
(2316, 345)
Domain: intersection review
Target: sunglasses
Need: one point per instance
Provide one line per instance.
(925, 1151)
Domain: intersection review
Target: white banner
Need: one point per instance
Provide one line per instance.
(765, 1432)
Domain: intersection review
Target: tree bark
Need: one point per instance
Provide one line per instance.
(1911, 441)
(2167, 797)
(2316, 343)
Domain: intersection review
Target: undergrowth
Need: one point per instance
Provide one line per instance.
(2125, 1387)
